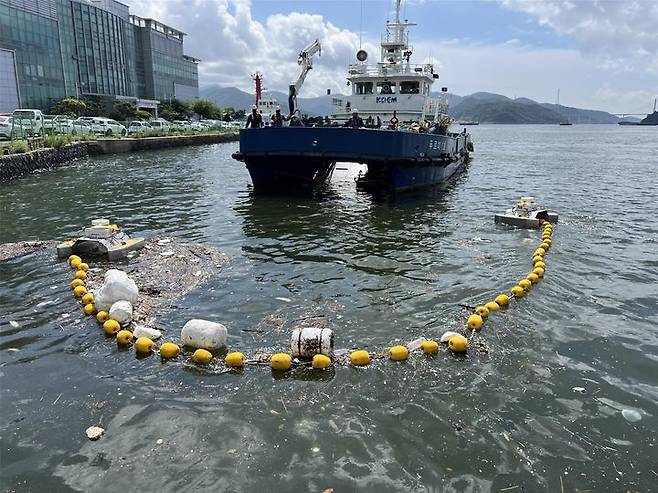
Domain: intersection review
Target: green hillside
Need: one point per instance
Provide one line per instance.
(503, 111)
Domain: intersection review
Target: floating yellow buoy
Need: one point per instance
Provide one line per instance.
(102, 317)
(492, 306)
(124, 337)
(525, 284)
(360, 357)
(540, 251)
(73, 258)
(143, 345)
(80, 274)
(281, 361)
(502, 300)
(88, 298)
(398, 353)
(89, 309)
(474, 322)
(539, 271)
(545, 246)
(111, 327)
(234, 360)
(320, 361)
(483, 311)
(75, 263)
(77, 282)
(429, 347)
(533, 278)
(458, 344)
(537, 258)
(79, 291)
(168, 350)
(540, 264)
(548, 241)
(83, 266)
(518, 291)
(201, 357)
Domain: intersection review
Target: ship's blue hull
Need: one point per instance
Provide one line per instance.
(302, 156)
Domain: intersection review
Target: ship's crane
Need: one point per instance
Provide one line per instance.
(305, 61)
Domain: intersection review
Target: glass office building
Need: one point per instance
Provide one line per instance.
(93, 48)
(167, 72)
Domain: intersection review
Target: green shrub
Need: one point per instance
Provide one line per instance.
(56, 141)
(18, 147)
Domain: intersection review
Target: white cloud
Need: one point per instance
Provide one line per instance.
(611, 69)
(233, 45)
(622, 35)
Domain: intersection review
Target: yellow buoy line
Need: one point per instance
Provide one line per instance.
(456, 343)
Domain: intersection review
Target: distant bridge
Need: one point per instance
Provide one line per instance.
(622, 115)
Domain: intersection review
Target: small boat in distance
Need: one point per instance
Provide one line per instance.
(566, 121)
(469, 123)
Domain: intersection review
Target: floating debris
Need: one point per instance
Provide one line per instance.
(94, 432)
(14, 324)
(579, 390)
(13, 250)
(631, 415)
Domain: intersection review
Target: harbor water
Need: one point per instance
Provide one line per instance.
(562, 394)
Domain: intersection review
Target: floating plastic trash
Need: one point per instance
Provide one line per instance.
(308, 341)
(204, 334)
(101, 238)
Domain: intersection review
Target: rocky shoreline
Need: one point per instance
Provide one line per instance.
(16, 165)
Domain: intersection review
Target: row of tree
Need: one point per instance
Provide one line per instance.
(174, 109)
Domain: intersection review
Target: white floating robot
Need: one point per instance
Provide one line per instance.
(526, 214)
(103, 239)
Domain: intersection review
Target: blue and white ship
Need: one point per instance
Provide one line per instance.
(406, 144)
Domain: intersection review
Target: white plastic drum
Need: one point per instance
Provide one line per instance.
(309, 341)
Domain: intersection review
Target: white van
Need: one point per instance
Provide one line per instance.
(160, 125)
(27, 123)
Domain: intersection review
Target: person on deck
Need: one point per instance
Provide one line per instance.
(278, 118)
(356, 121)
(255, 120)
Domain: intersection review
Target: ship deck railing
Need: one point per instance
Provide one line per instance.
(390, 69)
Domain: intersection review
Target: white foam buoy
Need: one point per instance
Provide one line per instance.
(122, 312)
(306, 342)
(145, 331)
(204, 334)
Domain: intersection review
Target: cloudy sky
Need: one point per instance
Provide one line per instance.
(601, 54)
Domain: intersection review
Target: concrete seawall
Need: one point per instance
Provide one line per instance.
(16, 165)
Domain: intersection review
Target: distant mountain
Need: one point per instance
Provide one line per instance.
(502, 110)
(484, 107)
(233, 97)
(576, 115)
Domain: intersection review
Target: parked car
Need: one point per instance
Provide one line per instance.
(160, 125)
(138, 127)
(105, 126)
(6, 125)
(27, 122)
(180, 125)
(199, 126)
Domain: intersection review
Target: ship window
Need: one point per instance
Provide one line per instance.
(409, 87)
(386, 87)
(363, 87)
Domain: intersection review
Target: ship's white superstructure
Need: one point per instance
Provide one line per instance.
(394, 83)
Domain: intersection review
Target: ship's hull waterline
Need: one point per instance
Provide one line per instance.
(290, 157)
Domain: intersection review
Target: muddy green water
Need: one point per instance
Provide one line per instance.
(380, 272)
